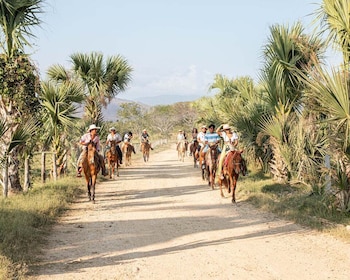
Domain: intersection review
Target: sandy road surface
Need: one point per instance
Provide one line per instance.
(158, 220)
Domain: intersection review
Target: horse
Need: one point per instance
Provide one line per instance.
(112, 159)
(181, 150)
(199, 156)
(233, 165)
(128, 149)
(211, 158)
(193, 148)
(145, 147)
(91, 167)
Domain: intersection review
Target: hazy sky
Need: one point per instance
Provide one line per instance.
(175, 47)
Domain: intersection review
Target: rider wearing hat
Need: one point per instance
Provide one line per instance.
(230, 144)
(91, 135)
(114, 136)
(145, 138)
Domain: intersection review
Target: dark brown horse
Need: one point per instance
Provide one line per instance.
(112, 159)
(233, 165)
(91, 167)
(193, 148)
(145, 147)
(211, 160)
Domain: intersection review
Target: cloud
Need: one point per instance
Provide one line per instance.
(176, 81)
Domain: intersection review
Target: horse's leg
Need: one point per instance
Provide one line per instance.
(93, 184)
(117, 167)
(88, 182)
(234, 184)
(110, 169)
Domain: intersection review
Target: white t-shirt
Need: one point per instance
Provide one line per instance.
(115, 137)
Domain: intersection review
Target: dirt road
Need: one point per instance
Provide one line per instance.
(158, 220)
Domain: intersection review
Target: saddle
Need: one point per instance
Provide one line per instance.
(228, 157)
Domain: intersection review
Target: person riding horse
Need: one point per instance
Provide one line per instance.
(91, 135)
(194, 138)
(201, 140)
(211, 138)
(145, 139)
(230, 144)
(127, 142)
(114, 136)
(180, 137)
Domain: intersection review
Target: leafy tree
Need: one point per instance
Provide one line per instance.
(103, 79)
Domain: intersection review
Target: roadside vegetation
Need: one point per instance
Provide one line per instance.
(293, 124)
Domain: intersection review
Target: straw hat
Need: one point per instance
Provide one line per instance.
(112, 128)
(92, 126)
(226, 126)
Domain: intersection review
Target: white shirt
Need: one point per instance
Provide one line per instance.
(226, 137)
(115, 137)
(180, 137)
(201, 136)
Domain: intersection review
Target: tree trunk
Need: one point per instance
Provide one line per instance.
(43, 167)
(54, 167)
(5, 179)
(13, 173)
(26, 174)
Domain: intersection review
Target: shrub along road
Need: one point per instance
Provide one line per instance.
(159, 220)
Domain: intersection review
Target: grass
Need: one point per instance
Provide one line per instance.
(25, 220)
(296, 203)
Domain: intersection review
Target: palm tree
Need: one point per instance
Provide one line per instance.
(59, 101)
(19, 79)
(290, 55)
(104, 79)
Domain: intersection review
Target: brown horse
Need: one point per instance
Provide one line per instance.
(91, 167)
(233, 165)
(181, 150)
(128, 149)
(112, 159)
(211, 159)
(145, 147)
(193, 148)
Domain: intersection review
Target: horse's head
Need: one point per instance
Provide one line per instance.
(113, 145)
(91, 146)
(238, 162)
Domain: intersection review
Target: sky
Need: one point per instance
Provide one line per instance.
(175, 47)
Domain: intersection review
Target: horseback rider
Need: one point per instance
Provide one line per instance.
(201, 140)
(145, 138)
(194, 134)
(211, 138)
(114, 136)
(180, 137)
(91, 135)
(127, 141)
(230, 144)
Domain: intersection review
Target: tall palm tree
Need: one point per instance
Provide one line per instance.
(289, 56)
(103, 78)
(19, 79)
(59, 101)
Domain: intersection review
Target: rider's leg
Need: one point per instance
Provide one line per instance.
(120, 154)
(221, 160)
(79, 162)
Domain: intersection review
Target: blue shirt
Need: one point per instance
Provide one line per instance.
(212, 137)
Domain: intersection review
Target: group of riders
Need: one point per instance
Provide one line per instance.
(207, 137)
(92, 136)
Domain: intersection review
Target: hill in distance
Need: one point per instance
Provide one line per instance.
(110, 113)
